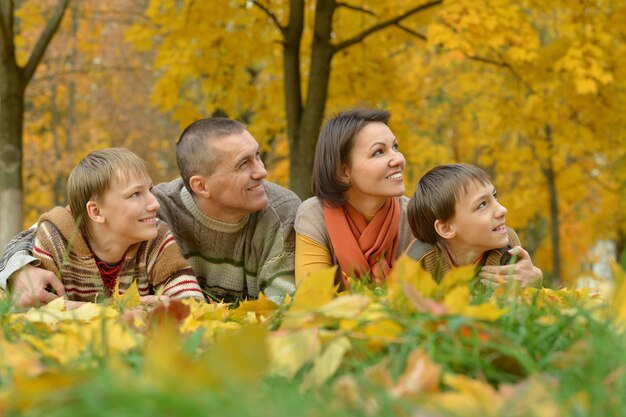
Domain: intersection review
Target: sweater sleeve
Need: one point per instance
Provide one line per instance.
(275, 272)
(18, 253)
(513, 237)
(49, 247)
(169, 272)
(311, 256)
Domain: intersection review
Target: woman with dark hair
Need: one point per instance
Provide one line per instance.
(357, 219)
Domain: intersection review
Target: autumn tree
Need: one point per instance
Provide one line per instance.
(90, 91)
(224, 48)
(14, 78)
(531, 91)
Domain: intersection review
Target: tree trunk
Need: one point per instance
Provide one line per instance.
(550, 176)
(302, 143)
(12, 88)
(13, 82)
(305, 119)
(292, 41)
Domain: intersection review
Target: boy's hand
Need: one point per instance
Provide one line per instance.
(155, 299)
(29, 286)
(523, 272)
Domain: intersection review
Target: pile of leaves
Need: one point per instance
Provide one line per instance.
(411, 348)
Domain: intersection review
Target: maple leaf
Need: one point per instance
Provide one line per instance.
(129, 299)
(262, 307)
(315, 290)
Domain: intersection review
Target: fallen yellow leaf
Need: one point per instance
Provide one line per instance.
(326, 364)
(289, 351)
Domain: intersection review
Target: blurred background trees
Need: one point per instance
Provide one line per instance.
(531, 91)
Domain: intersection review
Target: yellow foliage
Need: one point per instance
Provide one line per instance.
(619, 294)
(291, 350)
(326, 364)
(420, 375)
(457, 301)
(407, 270)
(129, 299)
(236, 357)
(315, 290)
(262, 308)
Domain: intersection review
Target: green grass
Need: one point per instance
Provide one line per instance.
(570, 344)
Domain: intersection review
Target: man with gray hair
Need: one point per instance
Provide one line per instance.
(234, 228)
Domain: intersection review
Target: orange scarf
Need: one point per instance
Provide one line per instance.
(363, 247)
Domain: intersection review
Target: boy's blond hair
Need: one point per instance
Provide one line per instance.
(94, 175)
(435, 197)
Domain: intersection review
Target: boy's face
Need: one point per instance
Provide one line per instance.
(129, 209)
(478, 222)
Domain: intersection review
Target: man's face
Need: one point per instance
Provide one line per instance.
(236, 185)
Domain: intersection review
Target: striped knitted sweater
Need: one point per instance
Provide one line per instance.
(235, 261)
(156, 264)
(438, 261)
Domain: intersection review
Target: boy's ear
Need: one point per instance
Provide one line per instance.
(198, 185)
(94, 213)
(445, 230)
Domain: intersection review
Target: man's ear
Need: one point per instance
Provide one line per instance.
(93, 212)
(198, 185)
(445, 230)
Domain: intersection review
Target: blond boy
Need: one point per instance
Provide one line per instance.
(457, 220)
(110, 234)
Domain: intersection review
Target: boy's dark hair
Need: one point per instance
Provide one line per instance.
(194, 150)
(435, 197)
(334, 144)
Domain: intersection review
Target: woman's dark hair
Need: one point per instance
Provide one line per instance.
(333, 148)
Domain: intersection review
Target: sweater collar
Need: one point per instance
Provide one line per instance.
(207, 221)
(62, 218)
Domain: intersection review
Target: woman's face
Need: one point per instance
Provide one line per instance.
(375, 167)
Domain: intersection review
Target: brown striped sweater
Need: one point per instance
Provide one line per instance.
(438, 262)
(156, 264)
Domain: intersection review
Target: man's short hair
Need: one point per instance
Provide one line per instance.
(94, 175)
(194, 151)
(334, 144)
(435, 197)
